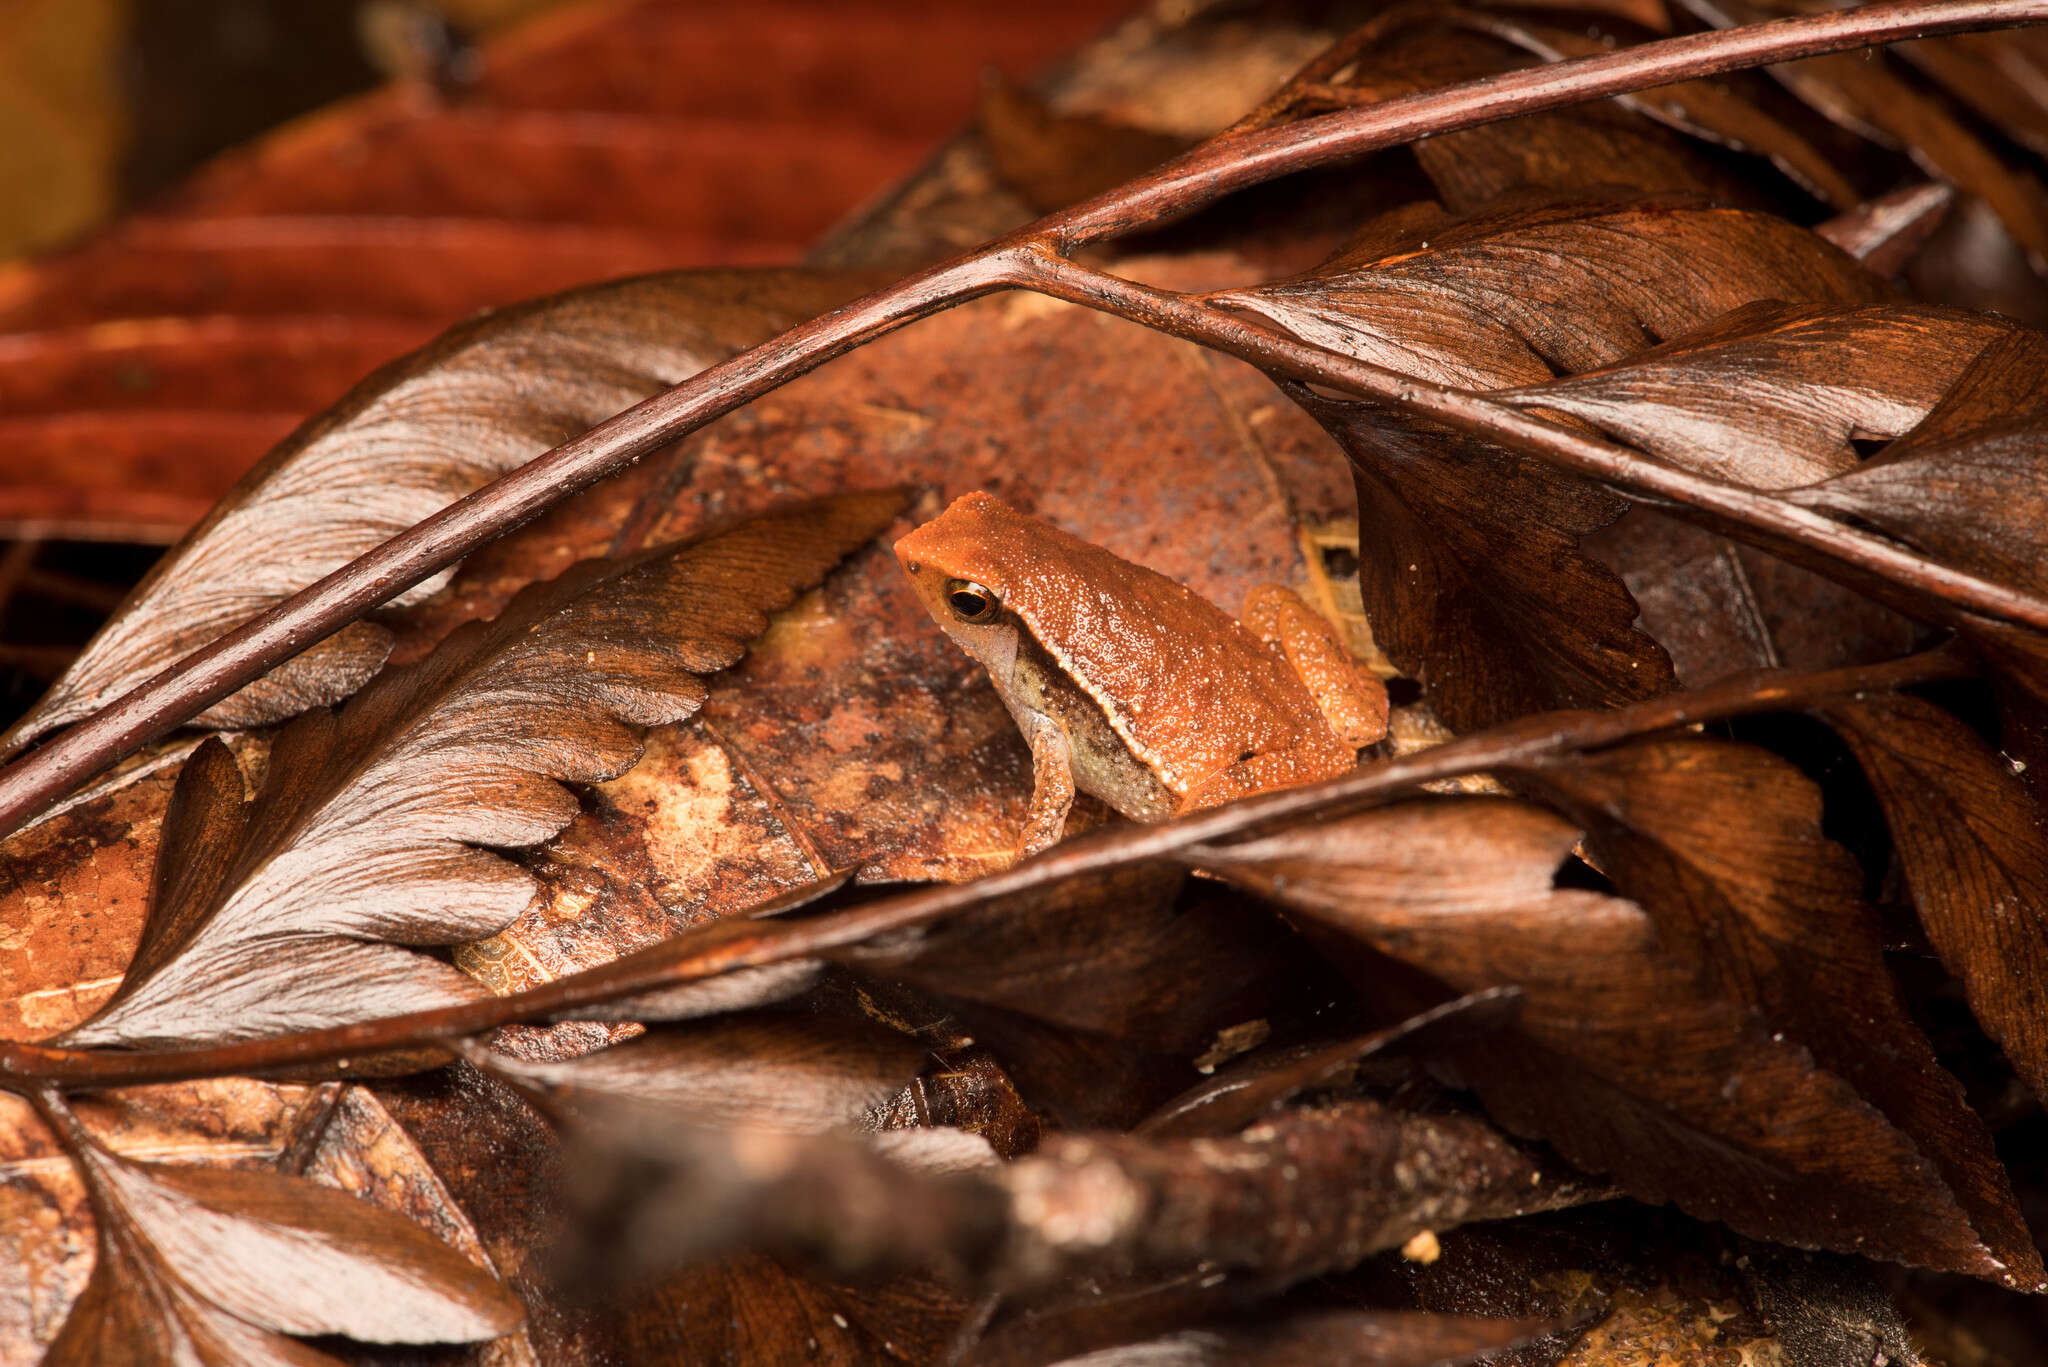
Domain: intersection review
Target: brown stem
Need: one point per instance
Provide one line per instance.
(1205, 174)
(726, 945)
(1771, 522)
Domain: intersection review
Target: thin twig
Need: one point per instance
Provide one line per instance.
(1207, 173)
(735, 943)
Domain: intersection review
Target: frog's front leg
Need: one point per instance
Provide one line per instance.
(1052, 787)
(1350, 698)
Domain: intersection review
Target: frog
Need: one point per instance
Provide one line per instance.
(1129, 685)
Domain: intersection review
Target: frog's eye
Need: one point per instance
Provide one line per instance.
(971, 602)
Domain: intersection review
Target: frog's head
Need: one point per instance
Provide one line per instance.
(960, 564)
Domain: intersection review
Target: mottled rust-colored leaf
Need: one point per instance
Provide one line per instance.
(364, 837)
(1623, 1058)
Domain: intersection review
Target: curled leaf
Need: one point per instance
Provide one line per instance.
(1772, 396)
(1721, 844)
(421, 432)
(762, 1071)
(367, 832)
(1975, 856)
(1472, 573)
(1623, 1057)
(1529, 289)
(215, 1266)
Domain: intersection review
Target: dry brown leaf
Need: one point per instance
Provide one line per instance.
(364, 838)
(1623, 1058)
(403, 444)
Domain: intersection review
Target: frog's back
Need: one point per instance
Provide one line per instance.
(1204, 703)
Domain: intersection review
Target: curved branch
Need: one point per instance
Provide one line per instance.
(1207, 173)
(1771, 522)
(736, 943)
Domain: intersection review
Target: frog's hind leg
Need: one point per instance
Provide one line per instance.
(1052, 788)
(1351, 698)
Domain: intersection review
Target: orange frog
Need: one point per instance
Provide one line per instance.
(1131, 686)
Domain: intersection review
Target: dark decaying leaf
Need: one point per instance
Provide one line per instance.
(1866, 97)
(1773, 396)
(1827, 1311)
(1968, 487)
(365, 835)
(1053, 159)
(1196, 1316)
(1721, 844)
(1119, 955)
(1710, 110)
(407, 441)
(215, 1266)
(1975, 855)
(1474, 581)
(1588, 147)
(1623, 1057)
(1357, 1338)
(1999, 74)
(1262, 1083)
(1471, 572)
(774, 1072)
(751, 1308)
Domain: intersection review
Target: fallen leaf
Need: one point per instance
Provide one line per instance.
(1771, 396)
(1721, 844)
(1622, 1058)
(1473, 580)
(403, 444)
(1864, 96)
(1391, 1339)
(216, 1265)
(755, 1071)
(1975, 855)
(364, 837)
